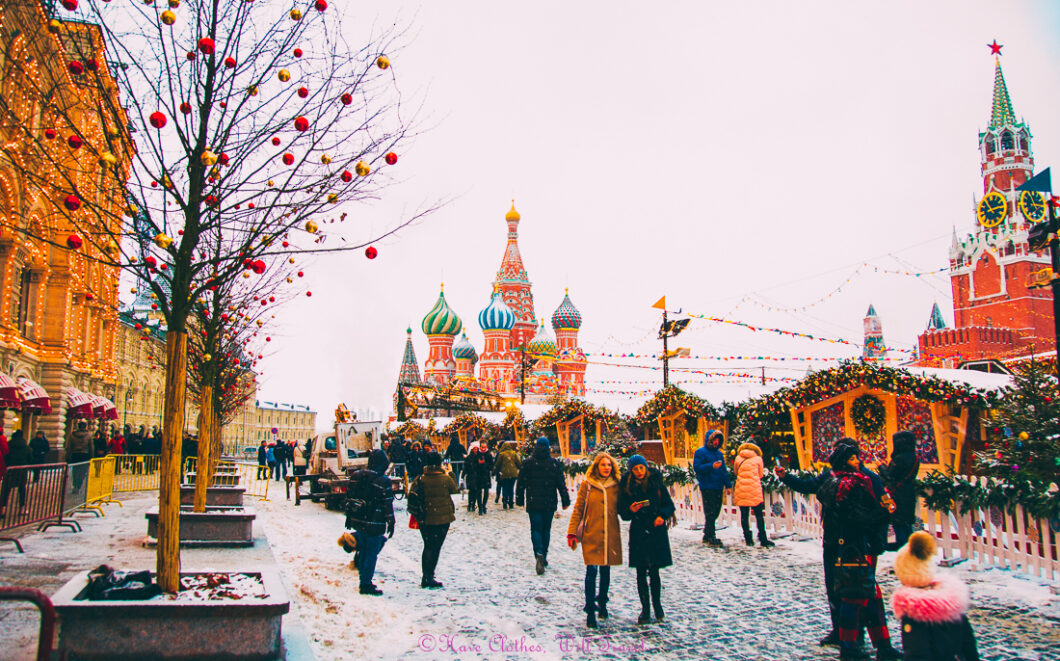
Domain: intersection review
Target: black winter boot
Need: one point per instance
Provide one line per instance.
(764, 541)
(656, 596)
(886, 652)
(645, 598)
(590, 620)
(748, 537)
(601, 610)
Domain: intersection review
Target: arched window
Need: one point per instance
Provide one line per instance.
(989, 145)
(1006, 141)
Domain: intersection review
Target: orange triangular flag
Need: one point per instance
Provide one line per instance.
(661, 303)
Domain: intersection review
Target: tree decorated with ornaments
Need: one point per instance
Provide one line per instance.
(225, 135)
(1024, 442)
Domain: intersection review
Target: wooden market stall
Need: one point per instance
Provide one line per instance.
(681, 420)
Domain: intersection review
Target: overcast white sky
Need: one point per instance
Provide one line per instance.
(707, 151)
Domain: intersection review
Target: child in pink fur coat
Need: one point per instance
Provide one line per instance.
(933, 609)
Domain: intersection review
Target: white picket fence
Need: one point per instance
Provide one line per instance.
(985, 538)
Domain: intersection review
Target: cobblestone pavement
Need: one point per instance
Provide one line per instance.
(740, 603)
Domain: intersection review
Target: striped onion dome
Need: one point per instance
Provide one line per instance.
(464, 349)
(542, 344)
(566, 315)
(441, 320)
(497, 315)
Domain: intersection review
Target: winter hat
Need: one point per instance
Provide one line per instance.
(636, 460)
(432, 459)
(543, 440)
(348, 542)
(914, 562)
(903, 440)
(841, 453)
(711, 435)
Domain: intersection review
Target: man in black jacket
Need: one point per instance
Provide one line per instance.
(455, 454)
(900, 478)
(830, 530)
(540, 485)
(370, 513)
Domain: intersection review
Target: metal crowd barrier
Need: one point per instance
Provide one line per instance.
(100, 484)
(32, 494)
(233, 473)
(47, 616)
(136, 472)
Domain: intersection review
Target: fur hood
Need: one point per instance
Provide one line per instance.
(945, 600)
(749, 446)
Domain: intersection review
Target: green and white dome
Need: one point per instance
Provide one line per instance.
(441, 320)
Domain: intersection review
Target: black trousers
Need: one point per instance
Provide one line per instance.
(711, 510)
(649, 586)
(831, 554)
(433, 538)
(477, 498)
(760, 520)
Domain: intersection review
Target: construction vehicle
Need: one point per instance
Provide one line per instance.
(335, 456)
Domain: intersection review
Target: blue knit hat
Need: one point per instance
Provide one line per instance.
(543, 440)
(636, 460)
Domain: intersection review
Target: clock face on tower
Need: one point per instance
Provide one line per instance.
(1032, 205)
(992, 209)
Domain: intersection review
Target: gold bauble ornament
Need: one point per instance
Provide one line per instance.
(214, 172)
(1024, 436)
(173, 4)
(333, 198)
(252, 90)
(246, 274)
(284, 75)
(163, 241)
(208, 157)
(206, 358)
(383, 62)
(325, 159)
(296, 14)
(107, 158)
(168, 17)
(259, 323)
(362, 168)
(290, 260)
(311, 227)
(289, 281)
(271, 183)
(54, 26)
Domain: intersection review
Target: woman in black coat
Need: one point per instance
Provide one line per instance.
(900, 478)
(645, 502)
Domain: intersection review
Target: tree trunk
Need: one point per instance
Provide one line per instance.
(215, 444)
(167, 558)
(204, 465)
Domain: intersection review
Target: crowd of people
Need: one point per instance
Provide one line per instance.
(274, 458)
(859, 506)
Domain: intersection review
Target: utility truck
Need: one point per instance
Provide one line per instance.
(334, 456)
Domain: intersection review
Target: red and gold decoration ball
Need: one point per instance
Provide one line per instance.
(346, 176)
(301, 123)
(303, 92)
(72, 203)
(288, 158)
(346, 98)
(74, 141)
(74, 242)
(75, 68)
(157, 119)
(321, 5)
(206, 46)
(370, 252)
(185, 108)
(70, 5)
(230, 62)
(391, 158)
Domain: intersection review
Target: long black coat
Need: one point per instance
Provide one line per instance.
(477, 468)
(900, 478)
(541, 483)
(649, 544)
(849, 502)
(830, 529)
(373, 487)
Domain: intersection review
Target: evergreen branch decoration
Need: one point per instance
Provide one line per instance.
(869, 415)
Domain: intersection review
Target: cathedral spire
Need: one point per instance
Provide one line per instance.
(1001, 113)
(410, 368)
(936, 322)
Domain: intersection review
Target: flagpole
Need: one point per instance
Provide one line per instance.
(666, 352)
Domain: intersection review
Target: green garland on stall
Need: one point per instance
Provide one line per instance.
(569, 410)
(673, 398)
(483, 428)
(411, 430)
(869, 414)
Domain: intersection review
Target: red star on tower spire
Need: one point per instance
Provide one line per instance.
(995, 48)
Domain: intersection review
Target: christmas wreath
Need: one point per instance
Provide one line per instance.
(869, 415)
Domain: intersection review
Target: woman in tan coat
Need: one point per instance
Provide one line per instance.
(596, 514)
(747, 494)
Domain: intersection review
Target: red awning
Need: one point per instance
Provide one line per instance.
(35, 399)
(79, 404)
(9, 397)
(104, 409)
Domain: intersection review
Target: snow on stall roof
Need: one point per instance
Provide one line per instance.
(973, 378)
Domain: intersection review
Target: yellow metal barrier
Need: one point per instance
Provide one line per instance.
(233, 473)
(136, 472)
(100, 484)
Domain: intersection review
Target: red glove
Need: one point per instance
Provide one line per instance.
(572, 542)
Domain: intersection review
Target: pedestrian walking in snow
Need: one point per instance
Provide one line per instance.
(370, 513)
(594, 524)
(506, 468)
(848, 497)
(933, 608)
(263, 462)
(299, 460)
(899, 476)
(713, 476)
(430, 502)
(747, 494)
(477, 469)
(540, 485)
(645, 502)
(270, 459)
(455, 454)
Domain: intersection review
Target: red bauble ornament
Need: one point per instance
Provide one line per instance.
(138, 326)
(276, 142)
(346, 176)
(223, 158)
(230, 62)
(268, 339)
(154, 184)
(75, 68)
(157, 119)
(264, 302)
(309, 293)
(346, 99)
(285, 244)
(162, 266)
(258, 267)
(303, 92)
(70, 5)
(272, 299)
(206, 46)
(185, 108)
(74, 242)
(300, 274)
(370, 252)
(298, 52)
(250, 205)
(72, 202)
(91, 64)
(191, 55)
(50, 134)
(301, 123)
(74, 141)
(390, 158)
(211, 200)
(321, 5)
(150, 261)
(288, 158)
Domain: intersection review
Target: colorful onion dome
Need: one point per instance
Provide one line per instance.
(513, 214)
(566, 315)
(542, 344)
(497, 315)
(571, 355)
(464, 349)
(441, 320)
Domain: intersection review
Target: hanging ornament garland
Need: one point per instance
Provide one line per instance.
(869, 415)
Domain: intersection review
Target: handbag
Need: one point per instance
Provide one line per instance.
(855, 577)
(580, 532)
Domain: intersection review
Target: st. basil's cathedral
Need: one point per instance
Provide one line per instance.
(513, 337)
